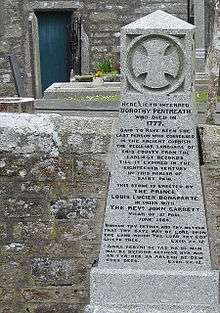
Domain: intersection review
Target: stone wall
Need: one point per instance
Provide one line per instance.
(53, 183)
(11, 40)
(210, 136)
(103, 20)
(53, 180)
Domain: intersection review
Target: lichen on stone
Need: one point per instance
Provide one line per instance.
(74, 208)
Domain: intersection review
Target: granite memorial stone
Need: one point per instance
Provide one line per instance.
(155, 254)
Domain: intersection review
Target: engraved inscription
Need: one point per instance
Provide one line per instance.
(155, 213)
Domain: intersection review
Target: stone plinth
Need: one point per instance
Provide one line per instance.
(83, 89)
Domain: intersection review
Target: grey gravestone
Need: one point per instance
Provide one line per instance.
(18, 77)
(35, 55)
(85, 56)
(200, 12)
(155, 252)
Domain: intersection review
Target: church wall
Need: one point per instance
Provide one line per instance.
(102, 21)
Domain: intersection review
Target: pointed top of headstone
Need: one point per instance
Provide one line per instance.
(159, 20)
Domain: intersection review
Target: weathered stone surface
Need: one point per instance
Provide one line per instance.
(26, 135)
(74, 208)
(35, 231)
(53, 307)
(85, 135)
(23, 207)
(51, 134)
(14, 275)
(73, 294)
(77, 90)
(68, 231)
(211, 177)
(52, 189)
(12, 308)
(7, 295)
(91, 168)
(122, 13)
(15, 251)
(20, 105)
(3, 233)
(36, 167)
(210, 138)
(54, 272)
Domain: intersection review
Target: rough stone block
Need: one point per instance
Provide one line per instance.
(15, 251)
(20, 105)
(56, 272)
(7, 295)
(13, 187)
(90, 169)
(52, 189)
(11, 308)
(75, 208)
(36, 231)
(3, 231)
(53, 307)
(36, 167)
(11, 166)
(85, 135)
(210, 139)
(23, 207)
(53, 134)
(28, 133)
(98, 189)
(68, 294)
(14, 275)
(67, 230)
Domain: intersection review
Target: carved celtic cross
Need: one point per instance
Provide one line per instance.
(159, 64)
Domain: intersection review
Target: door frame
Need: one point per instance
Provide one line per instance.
(34, 49)
(35, 56)
(56, 6)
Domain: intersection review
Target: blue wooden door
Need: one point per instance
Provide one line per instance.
(54, 41)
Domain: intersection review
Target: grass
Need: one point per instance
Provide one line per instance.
(201, 97)
(97, 98)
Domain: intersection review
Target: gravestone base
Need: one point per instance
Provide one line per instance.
(141, 291)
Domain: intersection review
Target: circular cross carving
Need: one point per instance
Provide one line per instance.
(155, 63)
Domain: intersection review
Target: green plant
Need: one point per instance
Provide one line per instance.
(107, 66)
(202, 96)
